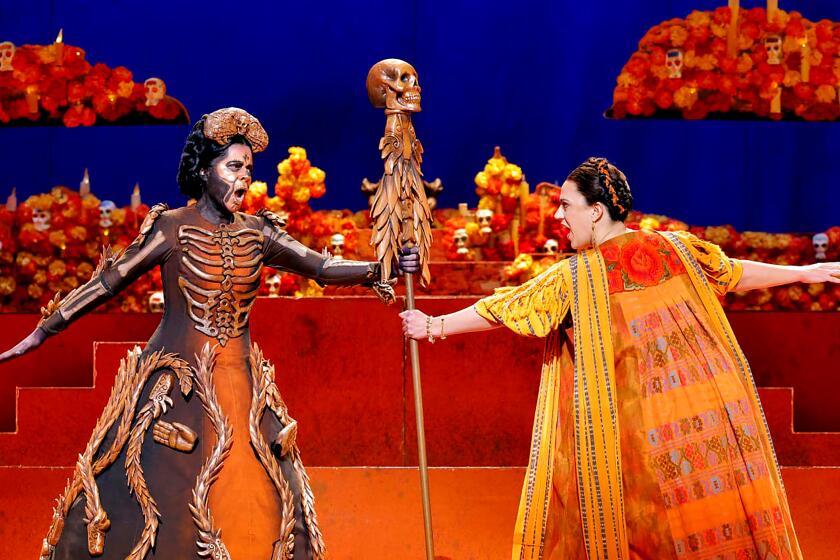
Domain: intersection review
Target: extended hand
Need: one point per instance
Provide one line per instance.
(175, 436)
(414, 324)
(409, 260)
(821, 272)
(32, 341)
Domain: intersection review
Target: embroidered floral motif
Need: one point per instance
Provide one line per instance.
(638, 260)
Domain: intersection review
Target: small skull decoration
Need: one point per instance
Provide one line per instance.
(674, 63)
(41, 219)
(460, 238)
(337, 246)
(551, 247)
(820, 242)
(484, 216)
(156, 302)
(155, 91)
(393, 84)
(773, 46)
(106, 209)
(273, 283)
(7, 54)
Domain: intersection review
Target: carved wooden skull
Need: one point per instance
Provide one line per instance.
(337, 246)
(155, 91)
(773, 46)
(156, 302)
(484, 216)
(393, 84)
(674, 63)
(106, 208)
(41, 219)
(820, 242)
(460, 238)
(273, 282)
(552, 247)
(7, 54)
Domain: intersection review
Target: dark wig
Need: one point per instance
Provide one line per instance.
(600, 181)
(199, 152)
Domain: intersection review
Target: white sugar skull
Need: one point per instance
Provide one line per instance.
(483, 216)
(273, 282)
(460, 238)
(156, 302)
(106, 208)
(7, 54)
(551, 247)
(820, 242)
(773, 46)
(155, 91)
(337, 246)
(674, 63)
(41, 219)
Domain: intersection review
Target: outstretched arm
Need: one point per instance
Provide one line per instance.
(418, 325)
(111, 276)
(762, 275)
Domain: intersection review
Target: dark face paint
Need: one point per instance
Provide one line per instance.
(229, 177)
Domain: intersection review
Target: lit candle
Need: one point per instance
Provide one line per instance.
(11, 202)
(514, 233)
(59, 48)
(84, 186)
(732, 30)
(772, 8)
(135, 197)
(463, 209)
(776, 103)
(541, 194)
(523, 200)
(805, 67)
(32, 98)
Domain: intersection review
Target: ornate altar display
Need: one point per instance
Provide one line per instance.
(734, 63)
(52, 242)
(44, 85)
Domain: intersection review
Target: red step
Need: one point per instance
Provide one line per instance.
(376, 513)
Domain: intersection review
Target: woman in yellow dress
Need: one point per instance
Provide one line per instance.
(649, 440)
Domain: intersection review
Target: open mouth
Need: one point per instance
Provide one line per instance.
(409, 98)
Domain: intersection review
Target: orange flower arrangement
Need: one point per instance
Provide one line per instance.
(783, 65)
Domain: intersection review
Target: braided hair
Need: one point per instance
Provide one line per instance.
(199, 152)
(598, 180)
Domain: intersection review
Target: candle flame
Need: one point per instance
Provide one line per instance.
(60, 38)
(137, 188)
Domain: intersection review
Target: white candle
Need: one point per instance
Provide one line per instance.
(59, 48)
(11, 202)
(84, 186)
(135, 197)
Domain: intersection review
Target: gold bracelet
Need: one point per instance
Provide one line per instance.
(442, 335)
(429, 329)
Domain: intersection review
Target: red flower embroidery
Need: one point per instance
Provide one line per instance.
(642, 263)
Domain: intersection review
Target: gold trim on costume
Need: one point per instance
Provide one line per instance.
(262, 377)
(209, 540)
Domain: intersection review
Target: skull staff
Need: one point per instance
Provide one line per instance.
(401, 216)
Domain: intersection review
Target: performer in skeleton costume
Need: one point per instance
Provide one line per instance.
(214, 471)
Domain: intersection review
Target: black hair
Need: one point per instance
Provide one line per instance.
(600, 181)
(199, 152)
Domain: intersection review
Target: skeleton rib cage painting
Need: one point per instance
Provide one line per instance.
(194, 454)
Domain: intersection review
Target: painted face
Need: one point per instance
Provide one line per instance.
(229, 177)
(576, 214)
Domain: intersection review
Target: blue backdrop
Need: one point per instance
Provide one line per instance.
(531, 76)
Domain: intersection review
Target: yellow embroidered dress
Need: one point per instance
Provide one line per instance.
(649, 441)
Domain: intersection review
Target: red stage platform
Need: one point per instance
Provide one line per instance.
(342, 368)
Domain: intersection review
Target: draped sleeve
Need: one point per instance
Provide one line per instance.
(536, 308)
(722, 272)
